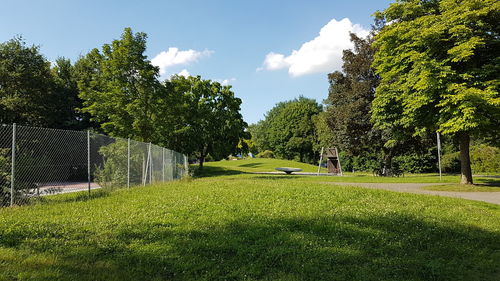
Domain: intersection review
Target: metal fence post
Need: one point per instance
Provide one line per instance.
(88, 159)
(128, 163)
(163, 164)
(186, 165)
(13, 165)
(150, 165)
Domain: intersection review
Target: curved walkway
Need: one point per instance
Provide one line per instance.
(490, 197)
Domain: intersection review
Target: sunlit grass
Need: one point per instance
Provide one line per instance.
(255, 165)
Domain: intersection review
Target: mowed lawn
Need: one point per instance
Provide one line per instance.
(257, 165)
(250, 227)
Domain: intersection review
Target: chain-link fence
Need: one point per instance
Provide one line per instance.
(39, 161)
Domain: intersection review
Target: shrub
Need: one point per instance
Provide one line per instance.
(485, 159)
(266, 154)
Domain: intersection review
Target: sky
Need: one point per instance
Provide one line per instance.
(268, 51)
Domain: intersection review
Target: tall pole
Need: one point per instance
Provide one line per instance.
(163, 164)
(320, 159)
(439, 154)
(128, 163)
(88, 159)
(150, 165)
(13, 164)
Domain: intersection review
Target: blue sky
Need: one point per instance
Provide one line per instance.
(247, 44)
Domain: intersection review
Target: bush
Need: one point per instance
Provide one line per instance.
(266, 154)
(485, 159)
(416, 163)
(450, 162)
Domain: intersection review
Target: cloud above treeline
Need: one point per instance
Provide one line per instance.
(321, 54)
(174, 57)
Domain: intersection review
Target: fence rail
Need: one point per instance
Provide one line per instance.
(37, 162)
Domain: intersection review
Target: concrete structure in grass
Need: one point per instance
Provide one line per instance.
(288, 170)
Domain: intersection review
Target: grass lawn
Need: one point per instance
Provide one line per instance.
(249, 227)
(252, 165)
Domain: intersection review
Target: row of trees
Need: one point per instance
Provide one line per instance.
(116, 90)
(427, 67)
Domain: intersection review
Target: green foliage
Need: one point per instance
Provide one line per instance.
(439, 63)
(485, 159)
(205, 118)
(289, 130)
(251, 227)
(450, 162)
(349, 101)
(266, 154)
(120, 89)
(31, 93)
(5, 170)
(417, 163)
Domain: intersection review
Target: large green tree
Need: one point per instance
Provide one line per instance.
(349, 100)
(203, 118)
(26, 92)
(439, 63)
(120, 88)
(290, 130)
(68, 102)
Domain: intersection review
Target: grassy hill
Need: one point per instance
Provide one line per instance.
(261, 165)
(248, 166)
(243, 226)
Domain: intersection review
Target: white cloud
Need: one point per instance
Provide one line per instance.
(226, 82)
(322, 54)
(173, 57)
(184, 73)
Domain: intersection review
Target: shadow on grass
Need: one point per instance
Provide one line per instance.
(208, 171)
(251, 165)
(72, 197)
(487, 182)
(392, 247)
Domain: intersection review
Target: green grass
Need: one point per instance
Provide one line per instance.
(463, 188)
(250, 227)
(253, 165)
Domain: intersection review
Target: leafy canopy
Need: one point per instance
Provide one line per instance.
(205, 120)
(439, 63)
(120, 89)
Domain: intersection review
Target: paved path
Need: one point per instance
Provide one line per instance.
(490, 197)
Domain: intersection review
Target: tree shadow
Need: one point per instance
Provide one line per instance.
(251, 165)
(336, 247)
(208, 171)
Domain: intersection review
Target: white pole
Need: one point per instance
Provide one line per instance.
(13, 164)
(88, 159)
(320, 160)
(186, 164)
(439, 154)
(128, 163)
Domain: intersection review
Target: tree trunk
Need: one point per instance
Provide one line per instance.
(465, 169)
(203, 154)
